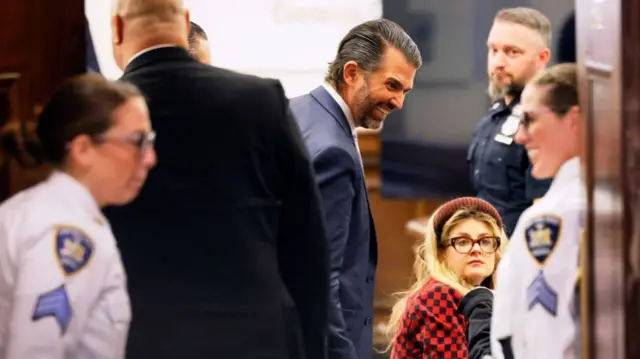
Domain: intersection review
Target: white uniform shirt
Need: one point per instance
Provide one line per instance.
(533, 302)
(62, 283)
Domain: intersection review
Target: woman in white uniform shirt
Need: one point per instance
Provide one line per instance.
(535, 308)
(62, 284)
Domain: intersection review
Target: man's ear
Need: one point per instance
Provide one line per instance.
(543, 57)
(350, 73)
(117, 29)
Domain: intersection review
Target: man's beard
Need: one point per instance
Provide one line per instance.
(364, 107)
(499, 91)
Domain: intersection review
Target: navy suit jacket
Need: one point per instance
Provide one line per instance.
(350, 229)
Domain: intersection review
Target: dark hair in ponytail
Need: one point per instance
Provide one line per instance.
(83, 105)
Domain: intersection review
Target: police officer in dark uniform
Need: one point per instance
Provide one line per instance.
(518, 47)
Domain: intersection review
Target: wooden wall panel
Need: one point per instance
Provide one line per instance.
(43, 42)
(395, 240)
(56, 46)
(609, 72)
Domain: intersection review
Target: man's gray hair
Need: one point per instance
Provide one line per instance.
(530, 18)
(366, 43)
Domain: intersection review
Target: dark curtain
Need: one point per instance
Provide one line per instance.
(567, 40)
(92, 59)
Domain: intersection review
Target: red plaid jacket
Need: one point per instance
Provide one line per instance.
(431, 327)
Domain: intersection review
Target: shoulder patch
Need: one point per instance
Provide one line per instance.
(542, 235)
(540, 292)
(74, 249)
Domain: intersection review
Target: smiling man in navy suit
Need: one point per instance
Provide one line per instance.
(370, 76)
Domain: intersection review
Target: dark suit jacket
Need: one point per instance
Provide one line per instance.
(225, 247)
(352, 237)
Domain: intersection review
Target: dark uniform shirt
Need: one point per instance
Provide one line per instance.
(500, 169)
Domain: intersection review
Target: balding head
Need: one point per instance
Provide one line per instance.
(140, 24)
(161, 9)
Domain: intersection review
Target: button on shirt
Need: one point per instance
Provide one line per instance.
(62, 283)
(500, 169)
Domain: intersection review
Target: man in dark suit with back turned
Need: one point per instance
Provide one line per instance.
(370, 76)
(225, 248)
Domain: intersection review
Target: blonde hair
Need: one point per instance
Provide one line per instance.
(529, 18)
(429, 263)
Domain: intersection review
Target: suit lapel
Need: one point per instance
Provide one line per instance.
(328, 103)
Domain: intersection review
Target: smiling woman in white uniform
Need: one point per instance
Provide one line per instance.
(536, 304)
(62, 284)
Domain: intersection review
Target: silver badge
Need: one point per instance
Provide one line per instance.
(510, 126)
(507, 140)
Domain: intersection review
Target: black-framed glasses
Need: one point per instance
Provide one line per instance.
(143, 140)
(463, 245)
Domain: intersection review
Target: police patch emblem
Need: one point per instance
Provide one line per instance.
(73, 249)
(542, 235)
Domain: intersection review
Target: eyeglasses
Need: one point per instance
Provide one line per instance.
(142, 140)
(527, 117)
(463, 245)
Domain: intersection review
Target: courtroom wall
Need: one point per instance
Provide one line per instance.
(291, 40)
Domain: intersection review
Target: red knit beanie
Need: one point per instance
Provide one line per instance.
(444, 212)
